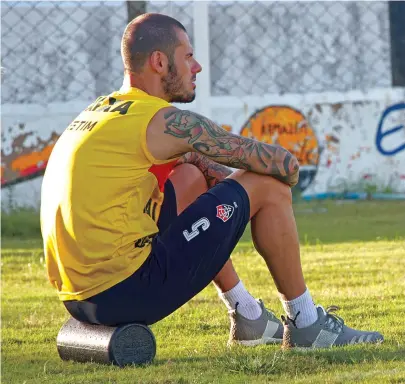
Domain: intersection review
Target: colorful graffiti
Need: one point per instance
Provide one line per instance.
(349, 146)
(386, 131)
(288, 127)
(21, 161)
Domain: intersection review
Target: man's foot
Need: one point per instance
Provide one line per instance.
(267, 329)
(329, 330)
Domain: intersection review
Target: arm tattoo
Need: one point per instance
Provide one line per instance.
(235, 151)
(212, 171)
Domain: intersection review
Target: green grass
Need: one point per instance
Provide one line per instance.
(20, 222)
(353, 256)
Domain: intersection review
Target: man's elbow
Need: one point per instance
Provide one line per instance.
(293, 165)
(293, 171)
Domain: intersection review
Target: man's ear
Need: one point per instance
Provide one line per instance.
(158, 62)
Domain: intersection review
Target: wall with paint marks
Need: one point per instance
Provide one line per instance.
(29, 133)
(352, 159)
(350, 142)
(344, 141)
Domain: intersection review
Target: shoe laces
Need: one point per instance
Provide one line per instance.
(333, 321)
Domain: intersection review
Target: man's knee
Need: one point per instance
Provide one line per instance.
(190, 178)
(278, 191)
(263, 189)
(189, 183)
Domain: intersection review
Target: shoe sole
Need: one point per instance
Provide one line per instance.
(254, 343)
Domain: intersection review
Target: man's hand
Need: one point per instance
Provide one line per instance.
(212, 171)
(201, 135)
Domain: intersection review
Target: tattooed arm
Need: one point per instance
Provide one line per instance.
(198, 134)
(212, 171)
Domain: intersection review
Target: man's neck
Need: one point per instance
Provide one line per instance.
(150, 87)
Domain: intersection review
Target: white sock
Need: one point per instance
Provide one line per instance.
(238, 297)
(302, 310)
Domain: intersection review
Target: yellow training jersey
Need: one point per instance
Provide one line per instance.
(101, 195)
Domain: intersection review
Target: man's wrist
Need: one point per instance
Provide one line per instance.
(212, 171)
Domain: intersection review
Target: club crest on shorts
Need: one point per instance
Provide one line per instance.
(225, 212)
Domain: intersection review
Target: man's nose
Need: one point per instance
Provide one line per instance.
(197, 67)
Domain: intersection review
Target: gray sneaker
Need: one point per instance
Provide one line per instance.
(328, 331)
(267, 329)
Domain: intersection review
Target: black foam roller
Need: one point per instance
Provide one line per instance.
(127, 344)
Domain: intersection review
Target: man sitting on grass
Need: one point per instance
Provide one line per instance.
(139, 211)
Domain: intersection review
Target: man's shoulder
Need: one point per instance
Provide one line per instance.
(159, 118)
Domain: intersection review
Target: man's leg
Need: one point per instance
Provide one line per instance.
(251, 323)
(189, 183)
(275, 237)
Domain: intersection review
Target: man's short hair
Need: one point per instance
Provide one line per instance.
(148, 33)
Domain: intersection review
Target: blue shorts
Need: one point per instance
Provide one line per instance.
(187, 253)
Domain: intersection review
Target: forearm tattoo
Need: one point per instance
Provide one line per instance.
(234, 151)
(212, 171)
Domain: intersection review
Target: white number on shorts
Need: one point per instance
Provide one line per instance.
(204, 223)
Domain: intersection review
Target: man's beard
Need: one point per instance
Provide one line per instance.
(173, 87)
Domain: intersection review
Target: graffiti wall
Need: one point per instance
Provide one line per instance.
(349, 146)
(288, 127)
(361, 145)
(28, 135)
(353, 146)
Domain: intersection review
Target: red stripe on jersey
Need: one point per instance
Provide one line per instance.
(162, 172)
